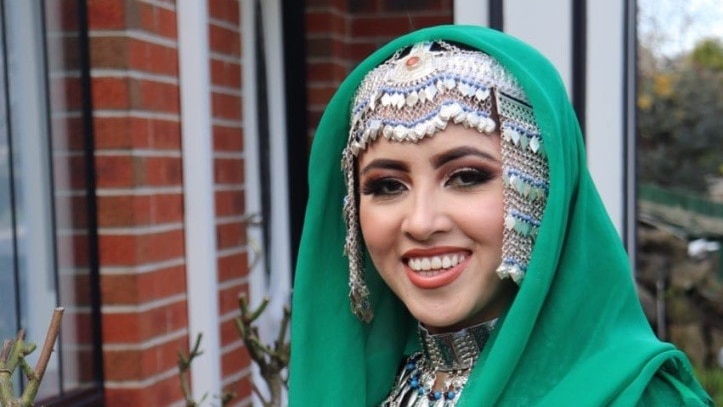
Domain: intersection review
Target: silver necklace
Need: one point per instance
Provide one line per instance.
(452, 354)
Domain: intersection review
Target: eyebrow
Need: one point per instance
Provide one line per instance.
(459, 152)
(385, 164)
(437, 161)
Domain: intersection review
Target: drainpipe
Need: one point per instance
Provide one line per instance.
(198, 194)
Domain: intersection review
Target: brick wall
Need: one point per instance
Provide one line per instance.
(341, 33)
(226, 119)
(136, 118)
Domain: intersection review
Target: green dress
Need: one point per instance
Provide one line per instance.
(575, 335)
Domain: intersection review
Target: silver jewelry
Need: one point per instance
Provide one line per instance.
(411, 97)
(453, 354)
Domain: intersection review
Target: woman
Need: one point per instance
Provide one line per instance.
(483, 267)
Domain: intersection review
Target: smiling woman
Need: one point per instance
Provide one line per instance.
(480, 263)
(431, 217)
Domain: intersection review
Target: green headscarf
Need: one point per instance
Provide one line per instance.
(575, 334)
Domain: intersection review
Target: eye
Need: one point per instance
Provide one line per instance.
(468, 177)
(383, 187)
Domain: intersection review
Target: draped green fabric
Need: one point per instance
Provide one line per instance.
(575, 334)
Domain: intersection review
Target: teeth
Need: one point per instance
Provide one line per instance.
(435, 262)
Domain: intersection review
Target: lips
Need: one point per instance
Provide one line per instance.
(430, 269)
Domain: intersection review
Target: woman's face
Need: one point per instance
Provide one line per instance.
(431, 215)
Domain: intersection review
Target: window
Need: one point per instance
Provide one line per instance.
(47, 211)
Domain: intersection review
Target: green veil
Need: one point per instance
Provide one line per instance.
(575, 334)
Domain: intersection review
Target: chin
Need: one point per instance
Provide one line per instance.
(437, 324)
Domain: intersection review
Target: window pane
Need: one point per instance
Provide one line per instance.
(8, 319)
(45, 255)
(31, 170)
(67, 138)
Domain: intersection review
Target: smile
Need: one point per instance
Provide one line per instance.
(435, 262)
(435, 270)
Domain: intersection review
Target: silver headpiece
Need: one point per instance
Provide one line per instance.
(415, 96)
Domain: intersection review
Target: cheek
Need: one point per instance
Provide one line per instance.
(376, 227)
(482, 219)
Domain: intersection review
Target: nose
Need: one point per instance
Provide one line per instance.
(425, 217)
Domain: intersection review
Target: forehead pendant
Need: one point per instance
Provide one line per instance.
(418, 64)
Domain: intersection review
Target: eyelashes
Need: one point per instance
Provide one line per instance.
(469, 177)
(460, 179)
(383, 186)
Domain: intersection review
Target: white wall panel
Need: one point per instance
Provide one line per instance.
(546, 25)
(471, 12)
(605, 108)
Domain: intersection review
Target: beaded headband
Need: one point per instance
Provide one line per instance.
(413, 96)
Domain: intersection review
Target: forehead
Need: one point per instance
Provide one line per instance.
(453, 136)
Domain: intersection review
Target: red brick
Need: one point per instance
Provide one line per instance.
(379, 25)
(228, 138)
(234, 361)
(114, 171)
(230, 235)
(326, 72)
(226, 106)
(363, 6)
(161, 246)
(232, 266)
(135, 132)
(123, 210)
(117, 250)
(226, 73)
(109, 52)
(157, 20)
(242, 388)
(143, 364)
(165, 392)
(132, 288)
(416, 6)
(160, 171)
(113, 132)
(230, 203)
(164, 134)
(136, 327)
(358, 51)
(129, 250)
(228, 171)
(320, 94)
(432, 19)
(228, 332)
(228, 298)
(110, 93)
(167, 208)
(106, 14)
(121, 328)
(326, 23)
(162, 283)
(225, 10)
(119, 289)
(155, 96)
(224, 41)
(153, 58)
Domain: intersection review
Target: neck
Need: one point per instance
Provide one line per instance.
(454, 351)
